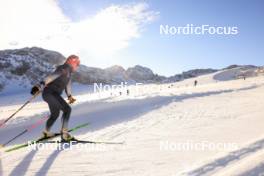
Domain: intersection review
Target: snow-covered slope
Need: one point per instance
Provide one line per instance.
(227, 114)
(237, 73)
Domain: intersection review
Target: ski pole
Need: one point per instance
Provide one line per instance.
(27, 130)
(34, 96)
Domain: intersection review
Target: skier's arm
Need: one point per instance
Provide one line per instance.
(52, 77)
(39, 87)
(68, 92)
(68, 89)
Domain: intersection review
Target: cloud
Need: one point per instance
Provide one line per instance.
(25, 23)
(42, 23)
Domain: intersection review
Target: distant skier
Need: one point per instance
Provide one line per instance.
(195, 83)
(52, 88)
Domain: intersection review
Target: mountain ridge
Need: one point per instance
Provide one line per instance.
(27, 66)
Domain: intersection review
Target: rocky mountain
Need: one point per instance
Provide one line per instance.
(24, 67)
(27, 66)
(139, 73)
(115, 75)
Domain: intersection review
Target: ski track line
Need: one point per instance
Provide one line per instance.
(230, 159)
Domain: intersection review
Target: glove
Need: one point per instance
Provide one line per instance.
(71, 99)
(37, 88)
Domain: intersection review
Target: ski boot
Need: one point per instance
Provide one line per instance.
(66, 137)
(47, 134)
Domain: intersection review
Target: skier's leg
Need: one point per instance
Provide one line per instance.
(54, 107)
(65, 107)
(57, 103)
(54, 114)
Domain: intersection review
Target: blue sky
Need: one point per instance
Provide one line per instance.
(127, 33)
(171, 54)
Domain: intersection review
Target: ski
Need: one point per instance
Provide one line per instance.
(43, 139)
(83, 142)
(99, 142)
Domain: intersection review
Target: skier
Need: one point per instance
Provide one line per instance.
(195, 83)
(52, 87)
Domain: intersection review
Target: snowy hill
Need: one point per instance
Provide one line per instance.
(190, 74)
(21, 68)
(24, 67)
(237, 73)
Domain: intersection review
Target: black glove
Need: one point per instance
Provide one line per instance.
(35, 89)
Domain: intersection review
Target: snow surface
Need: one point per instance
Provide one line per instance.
(229, 112)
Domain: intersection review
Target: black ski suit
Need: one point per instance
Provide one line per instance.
(55, 84)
